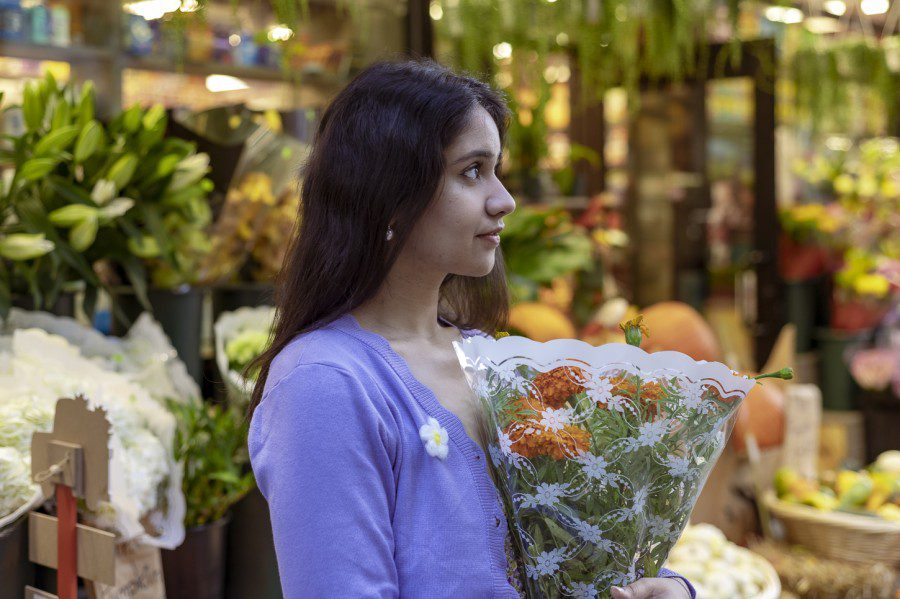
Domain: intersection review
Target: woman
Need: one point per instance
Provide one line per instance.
(402, 211)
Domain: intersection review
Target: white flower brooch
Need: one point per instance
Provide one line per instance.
(435, 438)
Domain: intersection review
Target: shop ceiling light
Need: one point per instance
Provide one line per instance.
(874, 7)
(822, 25)
(224, 83)
(152, 9)
(835, 7)
(280, 33)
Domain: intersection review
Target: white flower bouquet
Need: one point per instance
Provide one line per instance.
(36, 369)
(599, 453)
(241, 336)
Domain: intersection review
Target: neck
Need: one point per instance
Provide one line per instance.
(405, 307)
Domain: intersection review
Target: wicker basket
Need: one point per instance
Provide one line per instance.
(837, 535)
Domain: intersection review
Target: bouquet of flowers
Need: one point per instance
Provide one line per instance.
(599, 453)
(241, 336)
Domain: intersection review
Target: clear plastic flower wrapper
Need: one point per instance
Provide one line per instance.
(599, 453)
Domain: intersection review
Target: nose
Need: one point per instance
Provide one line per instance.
(500, 202)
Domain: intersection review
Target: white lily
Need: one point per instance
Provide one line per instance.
(25, 246)
(103, 192)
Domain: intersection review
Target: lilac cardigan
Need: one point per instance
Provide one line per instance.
(358, 507)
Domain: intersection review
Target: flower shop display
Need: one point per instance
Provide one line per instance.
(241, 336)
(871, 492)
(848, 515)
(211, 443)
(120, 198)
(146, 503)
(255, 224)
(719, 569)
(855, 215)
(146, 360)
(599, 452)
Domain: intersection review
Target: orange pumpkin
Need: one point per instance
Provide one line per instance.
(762, 413)
(675, 326)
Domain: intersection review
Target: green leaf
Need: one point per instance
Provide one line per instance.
(131, 118)
(72, 215)
(62, 114)
(57, 140)
(154, 117)
(137, 276)
(122, 171)
(83, 234)
(33, 107)
(86, 104)
(89, 141)
(226, 477)
(31, 213)
(36, 168)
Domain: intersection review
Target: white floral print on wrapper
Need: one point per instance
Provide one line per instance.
(435, 438)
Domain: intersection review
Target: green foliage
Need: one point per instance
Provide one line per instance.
(97, 194)
(826, 71)
(540, 245)
(211, 444)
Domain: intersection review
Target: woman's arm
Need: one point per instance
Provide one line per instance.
(322, 459)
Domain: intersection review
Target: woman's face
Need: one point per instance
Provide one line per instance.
(459, 233)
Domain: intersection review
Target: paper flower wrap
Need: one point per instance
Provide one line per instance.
(599, 452)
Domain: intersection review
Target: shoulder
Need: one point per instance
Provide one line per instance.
(320, 378)
(326, 351)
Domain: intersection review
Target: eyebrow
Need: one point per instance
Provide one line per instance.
(479, 154)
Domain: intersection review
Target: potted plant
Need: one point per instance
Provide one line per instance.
(211, 444)
(120, 199)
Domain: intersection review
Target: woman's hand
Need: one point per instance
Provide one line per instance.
(653, 588)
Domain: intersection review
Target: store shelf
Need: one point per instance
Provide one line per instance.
(28, 51)
(193, 68)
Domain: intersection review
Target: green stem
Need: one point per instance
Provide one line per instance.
(784, 374)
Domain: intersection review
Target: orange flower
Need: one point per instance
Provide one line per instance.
(558, 385)
(627, 385)
(567, 442)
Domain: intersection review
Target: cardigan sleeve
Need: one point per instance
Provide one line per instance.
(322, 455)
(665, 573)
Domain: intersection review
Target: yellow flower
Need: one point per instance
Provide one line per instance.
(871, 284)
(829, 224)
(889, 189)
(868, 186)
(843, 184)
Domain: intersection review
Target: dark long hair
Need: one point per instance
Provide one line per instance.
(377, 160)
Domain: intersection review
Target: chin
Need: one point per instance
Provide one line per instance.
(477, 270)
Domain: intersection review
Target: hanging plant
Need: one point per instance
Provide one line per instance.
(826, 71)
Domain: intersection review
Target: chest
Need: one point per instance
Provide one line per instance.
(439, 371)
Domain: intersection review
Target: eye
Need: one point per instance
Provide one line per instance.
(472, 172)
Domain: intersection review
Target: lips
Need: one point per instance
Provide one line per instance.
(491, 233)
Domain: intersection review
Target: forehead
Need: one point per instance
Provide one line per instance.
(479, 133)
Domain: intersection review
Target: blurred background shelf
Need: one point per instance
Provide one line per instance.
(71, 54)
